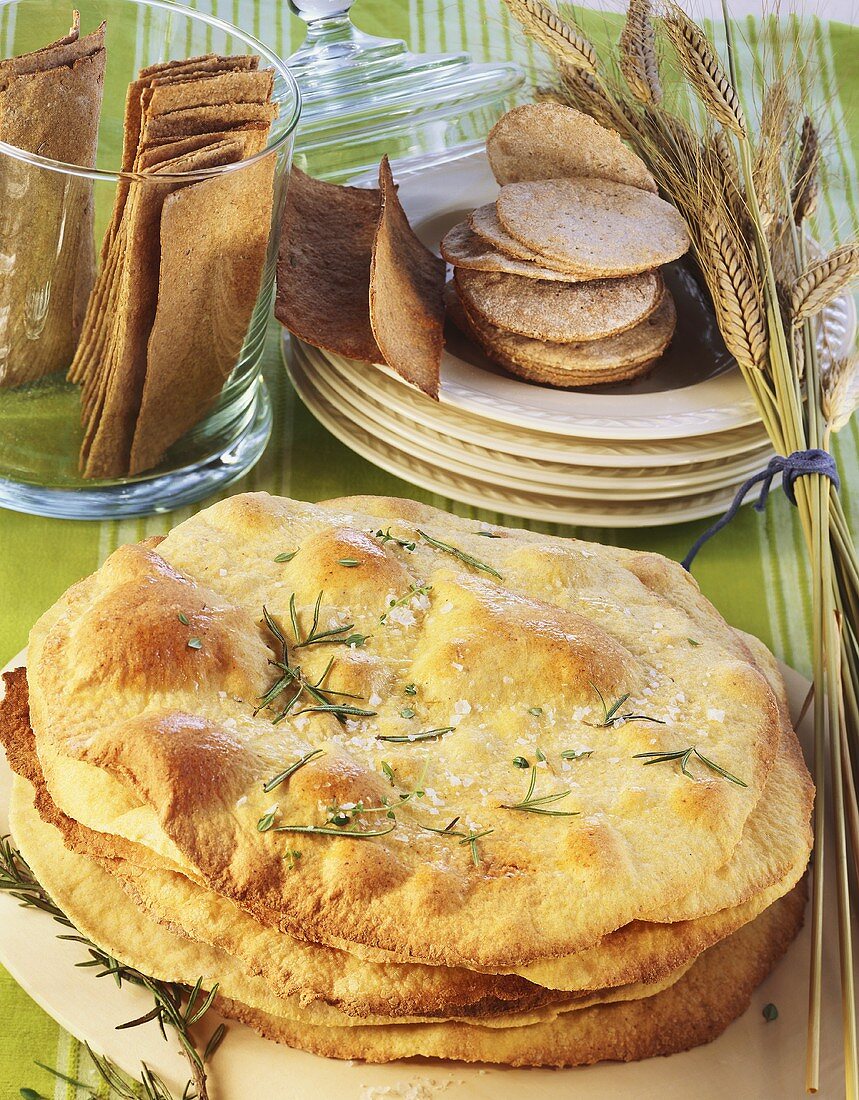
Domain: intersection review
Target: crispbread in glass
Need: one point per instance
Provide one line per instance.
(180, 87)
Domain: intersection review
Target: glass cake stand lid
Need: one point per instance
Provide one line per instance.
(362, 96)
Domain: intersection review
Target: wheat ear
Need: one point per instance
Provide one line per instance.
(584, 92)
(840, 392)
(815, 288)
(551, 32)
(736, 296)
(777, 121)
(805, 180)
(704, 71)
(638, 61)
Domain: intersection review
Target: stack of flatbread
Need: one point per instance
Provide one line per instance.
(175, 250)
(558, 280)
(50, 102)
(404, 784)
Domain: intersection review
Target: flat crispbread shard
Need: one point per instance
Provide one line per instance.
(107, 452)
(462, 247)
(50, 102)
(406, 288)
(214, 238)
(483, 652)
(638, 953)
(323, 271)
(605, 228)
(564, 313)
(614, 359)
(541, 141)
(693, 1011)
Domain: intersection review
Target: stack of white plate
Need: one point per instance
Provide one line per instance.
(671, 447)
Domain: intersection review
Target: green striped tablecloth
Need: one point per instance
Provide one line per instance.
(754, 572)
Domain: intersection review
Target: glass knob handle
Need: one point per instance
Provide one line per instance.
(312, 10)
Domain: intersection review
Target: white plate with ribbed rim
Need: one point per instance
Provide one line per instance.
(608, 451)
(634, 481)
(694, 390)
(505, 498)
(752, 1060)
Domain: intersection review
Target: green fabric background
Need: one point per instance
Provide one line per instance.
(754, 572)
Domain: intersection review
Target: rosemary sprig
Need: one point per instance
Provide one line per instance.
(532, 805)
(177, 1006)
(684, 755)
(315, 636)
(291, 676)
(386, 536)
(461, 555)
(281, 777)
(428, 735)
(470, 838)
(611, 715)
(402, 601)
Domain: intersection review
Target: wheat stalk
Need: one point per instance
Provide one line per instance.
(736, 295)
(822, 281)
(638, 61)
(805, 180)
(554, 34)
(776, 122)
(704, 71)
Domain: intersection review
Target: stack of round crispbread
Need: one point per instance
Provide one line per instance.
(403, 784)
(558, 280)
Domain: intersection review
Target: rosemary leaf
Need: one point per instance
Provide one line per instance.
(532, 805)
(349, 563)
(468, 559)
(402, 739)
(281, 777)
(333, 830)
(288, 556)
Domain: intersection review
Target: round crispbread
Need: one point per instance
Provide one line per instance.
(543, 141)
(607, 229)
(614, 1023)
(462, 247)
(639, 953)
(119, 641)
(485, 224)
(615, 359)
(693, 1011)
(95, 902)
(564, 313)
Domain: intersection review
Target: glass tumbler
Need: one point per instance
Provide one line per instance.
(135, 292)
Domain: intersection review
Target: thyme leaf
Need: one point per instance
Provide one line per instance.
(684, 755)
(386, 536)
(183, 618)
(287, 556)
(414, 590)
(576, 754)
(468, 559)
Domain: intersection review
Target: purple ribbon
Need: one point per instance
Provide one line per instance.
(798, 464)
